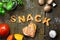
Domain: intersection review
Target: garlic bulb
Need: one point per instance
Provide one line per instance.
(52, 33)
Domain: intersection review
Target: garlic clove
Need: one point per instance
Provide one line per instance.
(49, 1)
(47, 8)
(41, 2)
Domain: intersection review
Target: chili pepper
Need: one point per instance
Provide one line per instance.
(2, 11)
(10, 37)
(9, 6)
(5, 0)
(20, 2)
(14, 5)
(18, 36)
(1, 4)
(14, 0)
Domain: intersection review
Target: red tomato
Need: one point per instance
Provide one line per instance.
(4, 29)
(10, 37)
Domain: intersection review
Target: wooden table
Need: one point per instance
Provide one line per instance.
(32, 6)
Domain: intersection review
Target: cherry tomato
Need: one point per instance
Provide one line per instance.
(4, 29)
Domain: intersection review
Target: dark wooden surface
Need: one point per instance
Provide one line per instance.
(32, 6)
